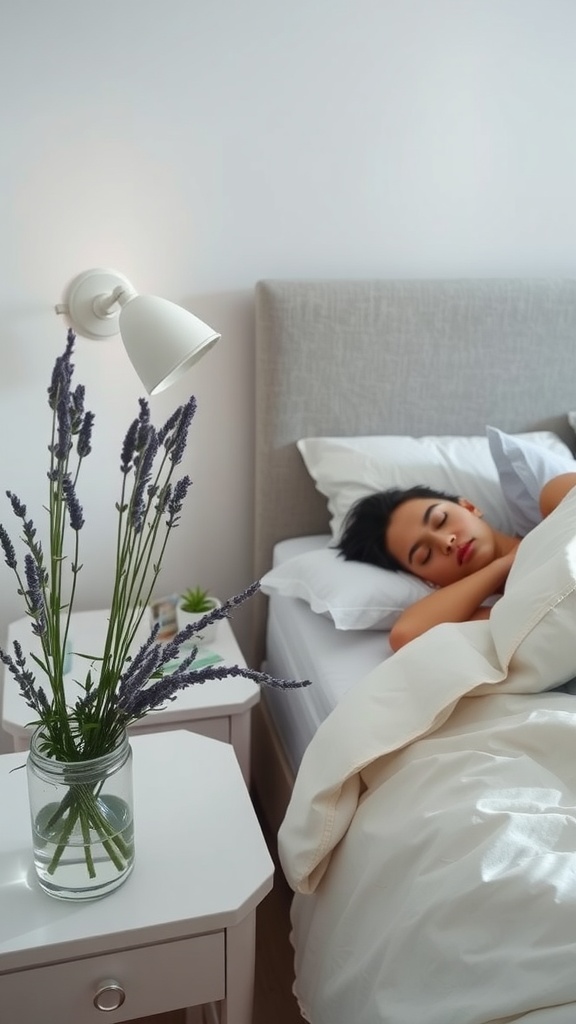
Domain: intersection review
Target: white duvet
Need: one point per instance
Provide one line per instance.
(431, 835)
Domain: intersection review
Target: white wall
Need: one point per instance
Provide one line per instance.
(199, 145)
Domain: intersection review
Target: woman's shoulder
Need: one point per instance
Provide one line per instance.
(554, 491)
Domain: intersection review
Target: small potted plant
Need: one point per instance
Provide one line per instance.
(192, 606)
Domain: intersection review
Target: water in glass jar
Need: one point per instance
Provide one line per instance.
(71, 878)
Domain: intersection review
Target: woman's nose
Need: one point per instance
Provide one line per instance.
(449, 543)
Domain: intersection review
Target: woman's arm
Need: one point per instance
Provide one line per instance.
(458, 602)
(552, 493)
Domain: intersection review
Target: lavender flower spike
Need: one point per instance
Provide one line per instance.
(180, 436)
(84, 446)
(144, 426)
(136, 679)
(77, 407)
(62, 373)
(34, 595)
(8, 549)
(164, 432)
(72, 504)
(142, 480)
(18, 507)
(142, 657)
(64, 442)
(129, 448)
(26, 682)
(177, 499)
(139, 702)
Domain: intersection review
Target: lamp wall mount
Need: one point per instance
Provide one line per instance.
(93, 303)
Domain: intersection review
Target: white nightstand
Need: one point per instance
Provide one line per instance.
(220, 708)
(179, 932)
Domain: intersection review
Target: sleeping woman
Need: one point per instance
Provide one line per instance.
(443, 540)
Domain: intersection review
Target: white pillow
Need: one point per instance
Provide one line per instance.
(523, 468)
(345, 469)
(353, 594)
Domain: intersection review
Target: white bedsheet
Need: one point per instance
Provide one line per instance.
(303, 645)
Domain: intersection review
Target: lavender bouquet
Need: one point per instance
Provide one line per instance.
(119, 688)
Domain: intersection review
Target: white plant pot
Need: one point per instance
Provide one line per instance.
(210, 633)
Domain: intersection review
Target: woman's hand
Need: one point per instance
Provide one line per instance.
(502, 567)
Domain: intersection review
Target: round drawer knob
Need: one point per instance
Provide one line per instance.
(109, 996)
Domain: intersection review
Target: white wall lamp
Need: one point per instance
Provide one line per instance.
(162, 340)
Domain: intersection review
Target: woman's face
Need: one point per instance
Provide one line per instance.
(440, 541)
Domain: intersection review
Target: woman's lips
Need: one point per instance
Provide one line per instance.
(464, 552)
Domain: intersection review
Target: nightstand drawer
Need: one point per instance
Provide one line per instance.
(153, 979)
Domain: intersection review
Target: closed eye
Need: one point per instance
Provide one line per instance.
(420, 554)
(432, 510)
(442, 519)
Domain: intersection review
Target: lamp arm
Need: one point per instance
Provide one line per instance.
(104, 305)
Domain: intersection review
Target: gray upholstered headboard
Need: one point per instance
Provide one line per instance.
(398, 357)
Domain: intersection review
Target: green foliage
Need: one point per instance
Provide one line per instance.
(196, 600)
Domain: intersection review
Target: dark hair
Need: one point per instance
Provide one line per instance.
(363, 537)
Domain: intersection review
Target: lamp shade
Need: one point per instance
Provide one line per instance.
(163, 340)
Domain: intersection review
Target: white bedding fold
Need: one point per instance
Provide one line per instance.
(452, 897)
(380, 715)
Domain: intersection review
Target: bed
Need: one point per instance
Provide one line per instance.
(401, 784)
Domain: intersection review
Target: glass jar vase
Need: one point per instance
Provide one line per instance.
(82, 821)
